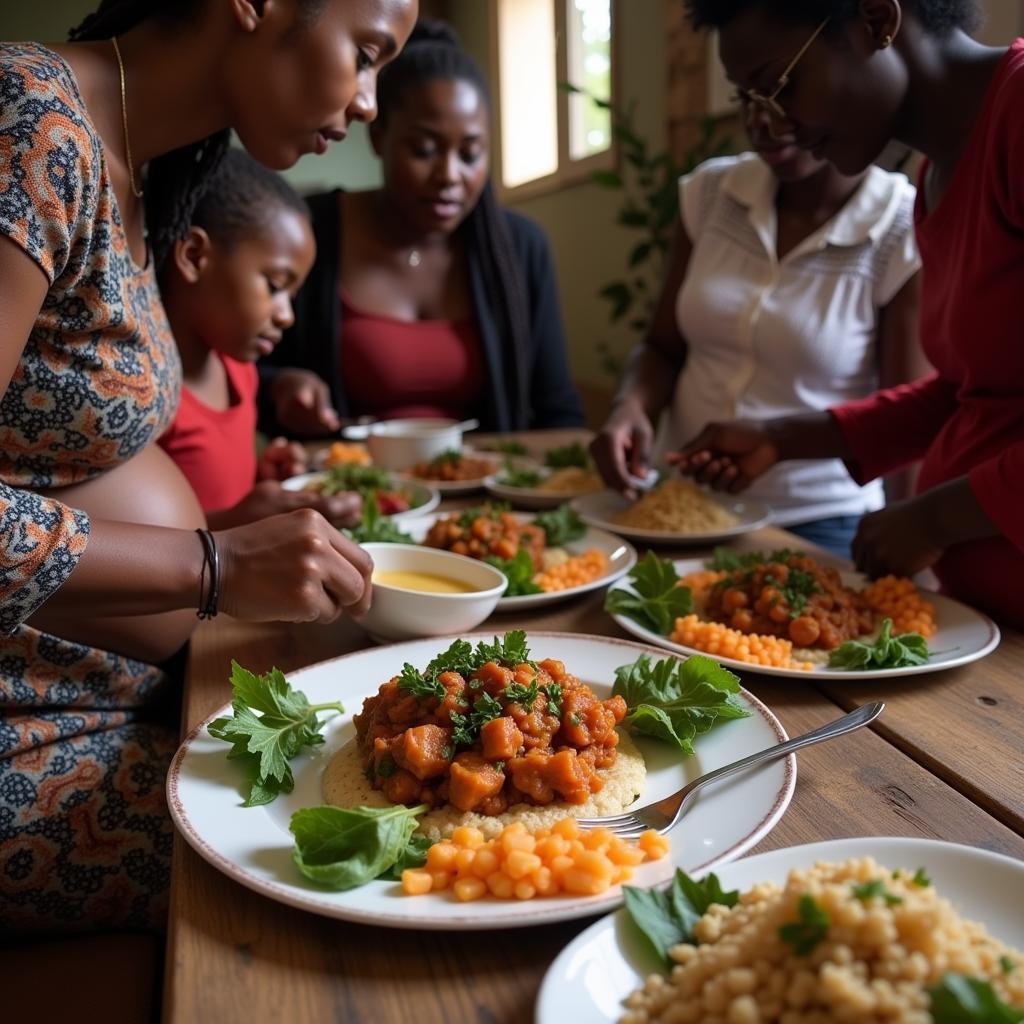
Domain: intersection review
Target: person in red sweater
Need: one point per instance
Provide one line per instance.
(845, 78)
(228, 288)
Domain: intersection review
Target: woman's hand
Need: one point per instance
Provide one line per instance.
(302, 403)
(623, 447)
(898, 539)
(269, 498)
(727, 456)
(282, 459)
(292, 568)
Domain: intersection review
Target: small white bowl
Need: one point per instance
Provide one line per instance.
(399, 444)
(400, 614)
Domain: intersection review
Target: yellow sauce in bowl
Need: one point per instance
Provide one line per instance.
(426, 582)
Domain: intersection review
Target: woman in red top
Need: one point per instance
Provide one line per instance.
(864, 74)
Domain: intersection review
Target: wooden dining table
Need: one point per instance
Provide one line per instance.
(944, 761)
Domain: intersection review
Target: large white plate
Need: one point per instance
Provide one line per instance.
(600, 509)
(253, 845)
(427, 498)
(621, 558)
(600, 967)
(963, 635)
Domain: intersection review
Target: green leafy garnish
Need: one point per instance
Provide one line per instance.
(344, 847)
(875, 888)
(463, 733)
(413, 856)
(658, 601)
(510, 651)
(270, 725)
(676, 700)
(560, 525)
(365, 480)
(518, 476)
(452, 455)
(805, 934)
(960, 1000)
(887, 651)
(568, 455)
(665, 917)
(420, 684)
(553, 692)
(489, 510)
(518, 571)
(728, 560)
(376, 527)
(509, 448)
(796, 590)
(1007, 965)
(524, 696)
(921, 878)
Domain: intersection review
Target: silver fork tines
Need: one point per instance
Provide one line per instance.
(665, 814)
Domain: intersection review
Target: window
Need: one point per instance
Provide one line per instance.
(549, 136)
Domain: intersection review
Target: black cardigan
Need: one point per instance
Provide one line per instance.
(551, 399)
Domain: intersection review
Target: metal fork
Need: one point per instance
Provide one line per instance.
(665, 814)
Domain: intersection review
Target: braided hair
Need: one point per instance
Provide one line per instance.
(939, 17)
(434, 52)
(174, 180)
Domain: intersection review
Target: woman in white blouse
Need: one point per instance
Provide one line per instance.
(789, 287)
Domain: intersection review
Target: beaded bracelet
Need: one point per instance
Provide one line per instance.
(211, 589)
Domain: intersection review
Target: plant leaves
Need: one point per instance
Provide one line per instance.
(887, 651)
(561, 525)
(344, 847)
(961, 1000)
(518, 570)
(657, 601)
(413, 856)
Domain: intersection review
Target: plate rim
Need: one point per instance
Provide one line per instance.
(762, 519)
(819, 673)
(819, 846)
(572, 911)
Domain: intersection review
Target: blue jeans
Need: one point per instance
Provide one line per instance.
(835, 534)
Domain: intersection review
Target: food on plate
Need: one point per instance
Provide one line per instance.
(372, 482)
(572, 480)
(454, 467)
(852, 942)
(375, 527)
(340, 454)
(530, 553)
(677, 506)
(779, 609)
(485, 736)
(520, 864)
(425, 582)
(270, 724)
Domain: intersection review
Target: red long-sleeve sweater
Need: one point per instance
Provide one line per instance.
(968, 418)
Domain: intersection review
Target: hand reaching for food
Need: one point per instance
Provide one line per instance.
(302, 403)
(727, 456)
(269, 498)
(896, 540)
(622, 449)
(282, 459)
(292, 568)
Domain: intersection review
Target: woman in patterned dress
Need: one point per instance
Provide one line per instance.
(100, 566)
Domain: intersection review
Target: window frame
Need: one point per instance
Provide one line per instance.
(570, 172)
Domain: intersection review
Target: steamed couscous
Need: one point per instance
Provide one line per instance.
(850, 942)
(677, 506)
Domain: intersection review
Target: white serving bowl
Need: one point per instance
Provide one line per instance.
(399, 444)
(400, 614)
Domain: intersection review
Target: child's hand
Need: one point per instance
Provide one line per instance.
(302, 403)
(281, 459)
(269, 498)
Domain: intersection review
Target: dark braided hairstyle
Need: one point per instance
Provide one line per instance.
(240, 198)
(940, 17)
(174, 180)
(434, 52)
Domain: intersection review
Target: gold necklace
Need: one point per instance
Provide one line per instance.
(136, 191)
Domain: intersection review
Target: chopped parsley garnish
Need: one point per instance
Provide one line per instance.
(452, 455)
(518, 476)
(419, 685)
(463, 733)
(568, 455)
(560, 525)
(575, 719)
(921, 878)
(876, 887)
(553, 692)
(805, 934)
(1007, 965)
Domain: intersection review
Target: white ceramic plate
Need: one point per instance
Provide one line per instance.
(600, 967)
(253, 845)
(426, 498)
(527, 497)
(452, 488)
(621, 558)
(963, 635)
(600, 509)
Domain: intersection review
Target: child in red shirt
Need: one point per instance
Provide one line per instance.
(228, 288)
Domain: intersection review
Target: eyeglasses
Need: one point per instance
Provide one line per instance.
(769, 102)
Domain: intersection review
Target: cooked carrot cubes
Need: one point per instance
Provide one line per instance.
(520, 865)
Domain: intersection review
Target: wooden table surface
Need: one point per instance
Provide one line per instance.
(945, 761)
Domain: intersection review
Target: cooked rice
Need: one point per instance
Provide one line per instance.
(345, 785)
(677, 506)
